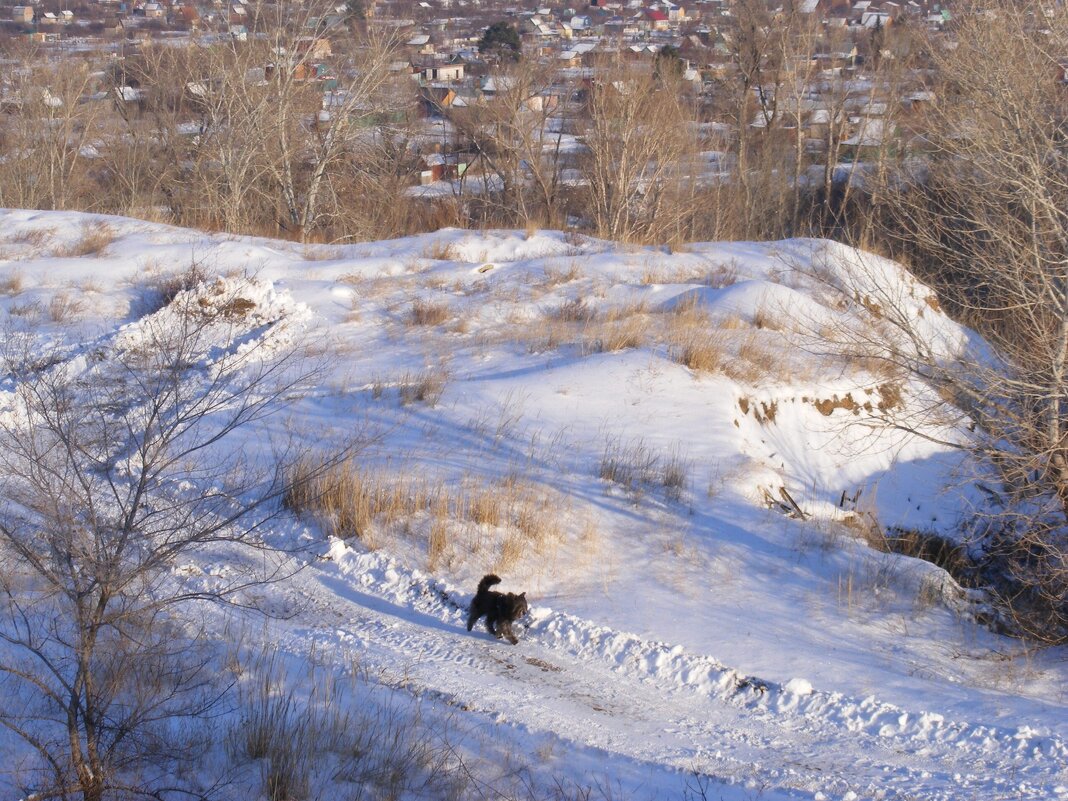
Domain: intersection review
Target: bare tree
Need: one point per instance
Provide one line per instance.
(983, 213)
(642, 143)
(48, 138)
(517, 134)
(118, 463)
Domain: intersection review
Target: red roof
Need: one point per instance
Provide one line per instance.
(656, 16)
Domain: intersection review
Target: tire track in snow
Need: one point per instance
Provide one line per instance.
(657, 703)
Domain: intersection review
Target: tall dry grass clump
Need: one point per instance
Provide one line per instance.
(428, 313)
(496, 522)
(692, 340)
(348, 499)
(621, 328)
(95, 239)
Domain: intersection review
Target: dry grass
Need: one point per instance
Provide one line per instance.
(441, 251)
(347, 499)
(575, 310)
(635, 466)
(320, 253)
(63, 308)
(618, 328)
(757, 360)
(30, 310)
(320, 733)
(426, 387)
(557, 275)
(722, 275)
(696, 345)
(95, 239)
(765, 318)
(655, 274)
(630, 332)
(12, 284)
(168, 286)
(35, 238)
(428, 313)
(510, 517)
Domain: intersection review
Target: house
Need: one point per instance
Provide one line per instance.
(441, 167)
(435, 99)
(155, 11)
(875, 19)
(657, 20)
(453, 71)
(22, 15)
(189, 15)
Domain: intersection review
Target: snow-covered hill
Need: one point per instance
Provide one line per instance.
(687, 448)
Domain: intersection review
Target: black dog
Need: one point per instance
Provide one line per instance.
(500, 609)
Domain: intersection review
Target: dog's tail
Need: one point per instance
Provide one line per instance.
(488, 581)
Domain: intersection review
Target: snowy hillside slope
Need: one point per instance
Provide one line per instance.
(650, 420)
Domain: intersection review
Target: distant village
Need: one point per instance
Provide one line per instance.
(835, 112)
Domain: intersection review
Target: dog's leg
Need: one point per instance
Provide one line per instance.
(473, 615)
(491, 626)
(509, 633)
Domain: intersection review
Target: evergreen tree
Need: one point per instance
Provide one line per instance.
(501, 40)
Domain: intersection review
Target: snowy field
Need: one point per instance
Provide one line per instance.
(684, 449)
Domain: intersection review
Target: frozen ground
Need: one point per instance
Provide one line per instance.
(686, 635)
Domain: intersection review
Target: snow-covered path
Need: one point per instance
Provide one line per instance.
(625, 701)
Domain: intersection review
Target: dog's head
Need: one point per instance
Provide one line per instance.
(519, 606)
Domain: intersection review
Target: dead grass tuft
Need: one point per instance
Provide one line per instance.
(693, 342)
(765, 318)
(426, 387)
(621, 328)
(63, 308)
(441, 251)
(12, 284)
(511, 516)
(634, 466)
(428, 313)
(722, 275)
(575, 310)
(555, 276)
(757, 360)
(95, 239)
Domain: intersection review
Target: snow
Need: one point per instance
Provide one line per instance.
(699, 635)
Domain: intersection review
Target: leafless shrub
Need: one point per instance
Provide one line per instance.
(168, 286)
(124, 647)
